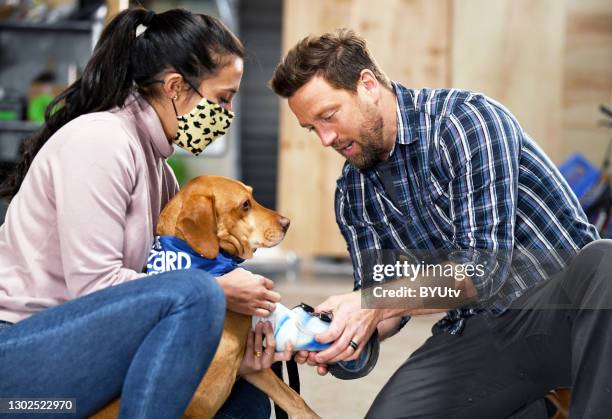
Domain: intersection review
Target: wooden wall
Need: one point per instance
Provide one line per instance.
(587, 77)
(513, 52)
(548, 61)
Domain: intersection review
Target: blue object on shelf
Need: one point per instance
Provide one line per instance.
(580, 173)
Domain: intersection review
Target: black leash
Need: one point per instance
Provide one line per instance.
(294, 382)
(294, 375)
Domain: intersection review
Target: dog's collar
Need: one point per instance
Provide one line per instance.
(170, 253)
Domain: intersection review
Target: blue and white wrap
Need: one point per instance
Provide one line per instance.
(296, 327)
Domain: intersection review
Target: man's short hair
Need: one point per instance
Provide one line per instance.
(338, 57)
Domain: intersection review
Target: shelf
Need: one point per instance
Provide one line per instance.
(19, 126)
(64, 26)
(6, 167)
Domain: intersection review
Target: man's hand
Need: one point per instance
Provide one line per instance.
(350, 323)
(308, 357)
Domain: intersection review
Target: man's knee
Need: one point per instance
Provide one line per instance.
(597, 257)
(597, 250)
(589, 280)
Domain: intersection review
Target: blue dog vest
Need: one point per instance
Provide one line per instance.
(170, 253)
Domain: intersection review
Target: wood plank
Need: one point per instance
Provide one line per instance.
(588, 77)
(512, 50)
(409, 38)
(306, 169)
(113, 7)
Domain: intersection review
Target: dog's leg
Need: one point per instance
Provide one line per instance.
(560, 398)
(110, 411)
(281, 393)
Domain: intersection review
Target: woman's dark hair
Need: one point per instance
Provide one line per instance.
(194, 45)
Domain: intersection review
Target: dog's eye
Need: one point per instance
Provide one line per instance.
(246, 205)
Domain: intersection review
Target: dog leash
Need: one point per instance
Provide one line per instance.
(294, 382)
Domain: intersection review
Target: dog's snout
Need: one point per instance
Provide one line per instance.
(284, 222)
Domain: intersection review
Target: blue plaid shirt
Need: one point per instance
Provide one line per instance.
(465, 178)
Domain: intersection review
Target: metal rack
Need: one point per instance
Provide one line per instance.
(26, 48)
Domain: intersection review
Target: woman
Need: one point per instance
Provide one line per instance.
(85, 202)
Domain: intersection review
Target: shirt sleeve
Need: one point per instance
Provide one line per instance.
(93, 177)
(480, 153)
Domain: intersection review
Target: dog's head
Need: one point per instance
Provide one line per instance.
(213, 212)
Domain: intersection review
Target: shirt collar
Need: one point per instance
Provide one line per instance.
(406, 114)
(149, 122)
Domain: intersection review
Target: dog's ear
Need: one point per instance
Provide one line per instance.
(197, 223)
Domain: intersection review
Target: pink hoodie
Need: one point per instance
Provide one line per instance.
(85, 216)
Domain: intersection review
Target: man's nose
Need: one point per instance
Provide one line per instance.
(327, 137)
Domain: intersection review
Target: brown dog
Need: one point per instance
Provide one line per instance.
(210, 213)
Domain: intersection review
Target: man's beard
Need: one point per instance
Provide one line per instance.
(370, 141)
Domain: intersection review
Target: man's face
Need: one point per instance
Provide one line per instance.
(350, 122)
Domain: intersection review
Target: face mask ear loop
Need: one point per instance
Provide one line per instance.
(174, 106)
(194, 89)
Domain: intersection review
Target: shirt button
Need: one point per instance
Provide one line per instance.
(408, 221)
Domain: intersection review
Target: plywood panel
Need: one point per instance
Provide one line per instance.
(588, 77)
(113, 7)
(307, 171)
(512, 50)
(409, 39)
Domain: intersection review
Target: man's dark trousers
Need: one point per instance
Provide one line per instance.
(558, 334)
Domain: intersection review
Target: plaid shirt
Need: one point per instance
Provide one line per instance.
(466, 179)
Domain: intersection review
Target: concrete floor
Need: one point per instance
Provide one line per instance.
(332, 398)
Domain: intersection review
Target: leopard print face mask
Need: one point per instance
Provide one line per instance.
(204, 124)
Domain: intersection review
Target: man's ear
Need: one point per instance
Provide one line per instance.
(197, 223)
(370, 83)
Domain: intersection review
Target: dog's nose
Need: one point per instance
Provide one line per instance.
(284, 222)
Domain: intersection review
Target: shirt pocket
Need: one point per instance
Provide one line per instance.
(372, 215)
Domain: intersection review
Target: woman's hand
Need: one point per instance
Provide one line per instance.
(248, 293)
(255, 357)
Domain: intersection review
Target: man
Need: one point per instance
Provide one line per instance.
(453, 171)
